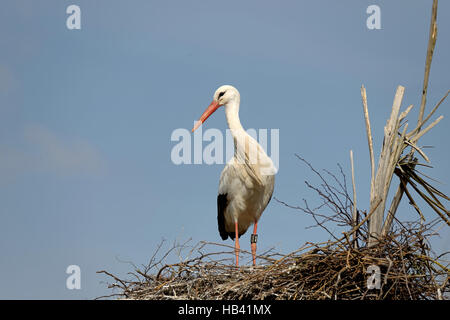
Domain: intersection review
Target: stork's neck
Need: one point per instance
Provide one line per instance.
(232, 114)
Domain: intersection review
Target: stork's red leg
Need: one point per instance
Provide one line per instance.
(236, 243)
(253, 239)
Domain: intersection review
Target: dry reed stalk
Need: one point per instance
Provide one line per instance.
(369, 139)
(355, 210)
(391, 160)
(389, 156)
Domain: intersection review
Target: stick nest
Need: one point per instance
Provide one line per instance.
(401, 265)
(329, 271)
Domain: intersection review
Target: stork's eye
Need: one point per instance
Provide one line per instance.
(221, 94)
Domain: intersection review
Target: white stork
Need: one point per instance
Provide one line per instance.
(247, 181)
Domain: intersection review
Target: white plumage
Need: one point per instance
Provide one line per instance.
(247, 181)
(248, 193)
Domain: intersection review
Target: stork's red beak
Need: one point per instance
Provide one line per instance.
(209, 111)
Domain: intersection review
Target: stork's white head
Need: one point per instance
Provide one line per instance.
(227, 96)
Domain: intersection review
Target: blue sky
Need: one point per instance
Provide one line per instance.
(86, 118)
